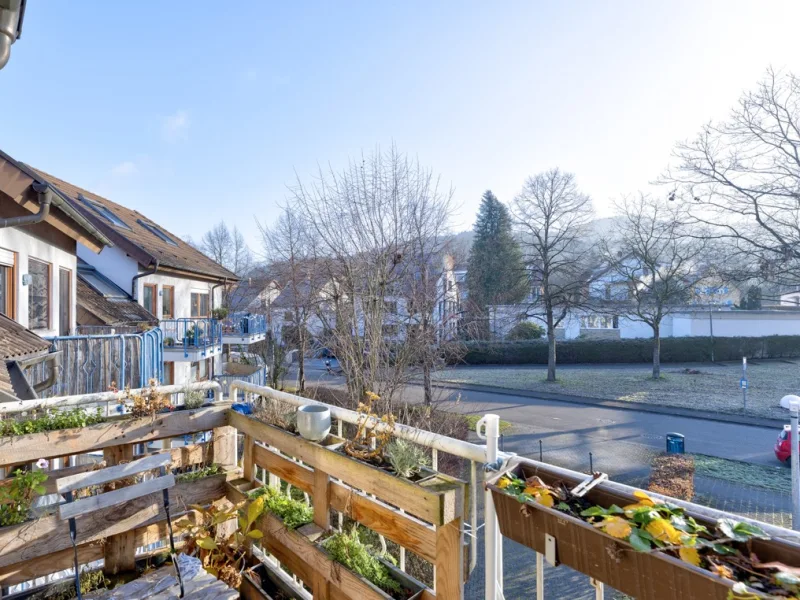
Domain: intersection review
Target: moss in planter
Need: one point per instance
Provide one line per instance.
(51, 421)
(293, 512)
(201, 473)
(349, 550)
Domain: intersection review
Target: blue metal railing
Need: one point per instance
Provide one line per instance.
(191, 334)
(244, 324)
(258, 377)
(91, 363)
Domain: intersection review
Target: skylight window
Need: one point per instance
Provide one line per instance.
(104, 212)
(157, 232)
(101, 284)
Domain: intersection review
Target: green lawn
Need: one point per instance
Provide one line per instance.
(715, 388)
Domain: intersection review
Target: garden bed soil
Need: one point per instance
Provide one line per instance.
(653, 575)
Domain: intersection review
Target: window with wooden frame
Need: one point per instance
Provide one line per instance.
(39, 294)
(199, 304)
(8, 296)
(149, 296)
(169, 373)
(168, 302)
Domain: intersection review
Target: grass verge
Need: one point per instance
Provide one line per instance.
(777, 478)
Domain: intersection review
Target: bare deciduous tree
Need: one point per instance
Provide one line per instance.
(228, 248)
(368, 221)
(291, 249)
(553, 219)
(741, 180)
(657, 261)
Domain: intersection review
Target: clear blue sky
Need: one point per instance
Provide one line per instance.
(200, 111)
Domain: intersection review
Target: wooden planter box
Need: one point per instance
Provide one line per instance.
(19, 449)
(263, 583)
(579, 545)
(436, 499)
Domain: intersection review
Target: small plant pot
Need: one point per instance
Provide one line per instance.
(314, 422)
(262, 582)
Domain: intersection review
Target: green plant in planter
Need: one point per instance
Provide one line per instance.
(406, 458)
(193, 398)
(202, 473)
(16, 497)
(293, 512)
(349, 550)
(219, 313)
(168, 341)
(51, 420)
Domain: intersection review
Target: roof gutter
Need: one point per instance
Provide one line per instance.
(152, 271)
(45, 198)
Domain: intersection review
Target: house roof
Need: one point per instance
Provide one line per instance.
(245, 293)
(16, 180)
(16, 342)
(111, 311)
(142, 238)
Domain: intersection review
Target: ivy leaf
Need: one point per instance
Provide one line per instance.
(723, 549)
(594, 511)
(690, 555)
(617, 527)
(739, 531)
(255, 534)
(563, 506)
(680, 523)
(639, 542)
(615, 510)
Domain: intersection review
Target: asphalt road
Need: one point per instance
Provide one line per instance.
(590, 428)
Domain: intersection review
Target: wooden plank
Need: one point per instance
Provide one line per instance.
(401, 528)
(119, 553)
(28, 448)
(449, 571)
(248, 466)
(434, 504)
(101, 501)
(321, 500)
(49, 534)
(223, 449)
(81, 480)
(298, 475)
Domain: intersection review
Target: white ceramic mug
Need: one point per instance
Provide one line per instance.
(314, 422)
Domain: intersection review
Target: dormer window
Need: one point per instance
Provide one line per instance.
(157, 232)
(103, 212)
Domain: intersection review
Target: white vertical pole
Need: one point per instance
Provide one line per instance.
(539, 576)
(795, 406)
(493, 555)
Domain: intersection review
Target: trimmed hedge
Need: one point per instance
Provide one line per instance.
(682, 349)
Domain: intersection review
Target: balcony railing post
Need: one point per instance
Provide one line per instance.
(488, 428)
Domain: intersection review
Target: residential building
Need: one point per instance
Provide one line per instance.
(172, 280)
(40, 232)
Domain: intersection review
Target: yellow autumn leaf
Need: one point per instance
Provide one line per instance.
(643, 498)
(721, 571)
(545, 499)
(503, 483)
(690, 555)
(616, 527)
(633, 507)
(663, 531)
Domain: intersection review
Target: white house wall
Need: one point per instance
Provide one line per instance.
(184, 288)
(113, 263)
(27, 246)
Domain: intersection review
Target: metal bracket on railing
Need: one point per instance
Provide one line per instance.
(494, 466)
(587, 484)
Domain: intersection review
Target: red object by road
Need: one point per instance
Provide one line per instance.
(783, 447)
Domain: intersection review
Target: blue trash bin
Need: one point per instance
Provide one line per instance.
(675, 443)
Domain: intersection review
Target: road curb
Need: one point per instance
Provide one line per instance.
(700, 415)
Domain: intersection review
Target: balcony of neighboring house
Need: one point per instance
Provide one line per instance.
(244, 329)
(191, 340)
(600, 327)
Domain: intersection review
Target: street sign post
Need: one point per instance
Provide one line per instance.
(743, 381)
